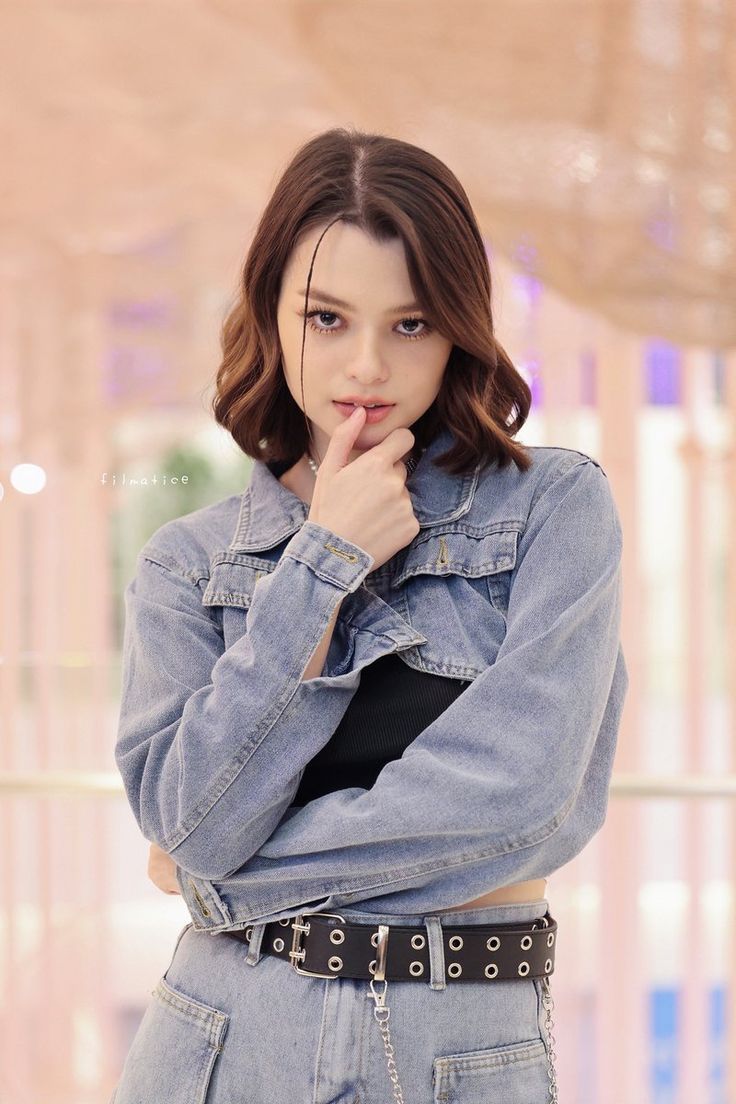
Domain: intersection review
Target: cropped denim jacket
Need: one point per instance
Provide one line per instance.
(512, 584)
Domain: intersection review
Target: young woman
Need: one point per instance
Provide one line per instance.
(370, 704)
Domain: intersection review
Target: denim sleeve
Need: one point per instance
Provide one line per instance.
(212, 742)
(510, 781)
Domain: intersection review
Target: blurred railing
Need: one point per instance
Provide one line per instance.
(622, 785)
(673, 981)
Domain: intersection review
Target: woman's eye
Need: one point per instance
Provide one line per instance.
(414, 322)
(322, 315)
(326, 317)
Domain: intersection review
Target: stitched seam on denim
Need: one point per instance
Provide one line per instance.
(167, 563)
(558, 473)
(459, 567)
(253, 562)
(325, 575)
(320, 1047)
(467, 529)
(526, 1052)
(212, 1020)
(362, 1070)
(563, 448)
(396, 877)
(229, 598)
(239, 761)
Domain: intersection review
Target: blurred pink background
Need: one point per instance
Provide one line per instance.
(140, 142)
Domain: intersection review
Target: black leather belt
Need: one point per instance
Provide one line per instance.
(324, 944)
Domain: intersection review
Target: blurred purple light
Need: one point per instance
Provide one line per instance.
(662, 373)
(140, 313)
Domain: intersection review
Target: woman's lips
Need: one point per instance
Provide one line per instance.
(371, 415)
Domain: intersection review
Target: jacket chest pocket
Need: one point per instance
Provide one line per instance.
(229, 593)
(455, 590)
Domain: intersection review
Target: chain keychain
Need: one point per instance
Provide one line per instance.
(548, 1005)
(382, 1021)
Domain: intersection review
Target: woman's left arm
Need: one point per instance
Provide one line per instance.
(508, 783)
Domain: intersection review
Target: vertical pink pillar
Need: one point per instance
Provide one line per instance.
(559, 337)
(692, 1029)
(621, 1067)
(89, 506)
(559, 345)
(730, 569)
(45, 380)
(14, 1059)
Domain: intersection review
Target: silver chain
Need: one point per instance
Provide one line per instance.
(382, 1013)
(548, 1004)
(382, 1021)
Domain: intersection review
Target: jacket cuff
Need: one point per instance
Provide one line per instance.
(330, 556)
(206, 907)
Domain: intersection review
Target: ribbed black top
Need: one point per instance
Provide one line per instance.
(392, 705)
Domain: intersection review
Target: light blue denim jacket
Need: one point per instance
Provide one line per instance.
(513, 583)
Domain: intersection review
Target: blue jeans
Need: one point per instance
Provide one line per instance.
(228, 1024)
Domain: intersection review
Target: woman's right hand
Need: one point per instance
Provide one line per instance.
(366, 501)
(162, 870)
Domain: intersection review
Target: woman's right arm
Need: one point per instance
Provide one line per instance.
(161, 867)
(212, 742)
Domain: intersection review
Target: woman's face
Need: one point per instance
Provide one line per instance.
(370, 342)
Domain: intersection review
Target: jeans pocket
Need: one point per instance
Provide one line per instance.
(515, 1073)
(173, 1053)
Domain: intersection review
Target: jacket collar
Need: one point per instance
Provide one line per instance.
(270, 513)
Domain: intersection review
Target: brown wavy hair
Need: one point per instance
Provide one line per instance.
(388, 188)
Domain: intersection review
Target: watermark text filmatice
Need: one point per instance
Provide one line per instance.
(122, 479)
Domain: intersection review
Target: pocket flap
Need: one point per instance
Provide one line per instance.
(460, 553)
(232, 581)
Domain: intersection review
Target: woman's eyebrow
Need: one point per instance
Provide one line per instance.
(313, 291)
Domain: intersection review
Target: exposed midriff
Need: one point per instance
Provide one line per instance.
(526, 892)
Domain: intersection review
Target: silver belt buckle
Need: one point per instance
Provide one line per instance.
(297, 952)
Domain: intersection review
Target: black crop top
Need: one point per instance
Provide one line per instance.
(392, 705)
